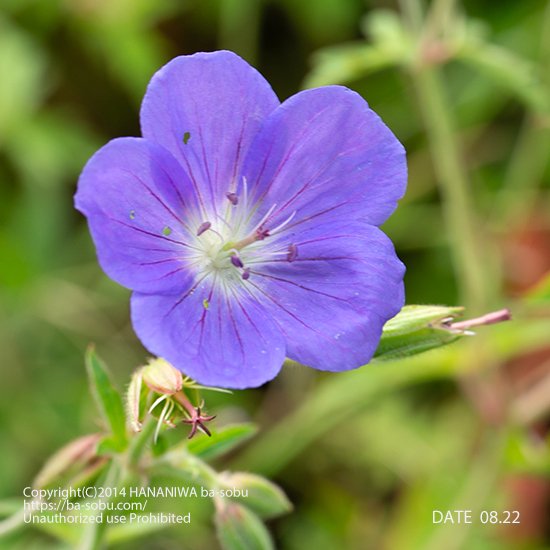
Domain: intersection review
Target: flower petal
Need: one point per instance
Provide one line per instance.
(205, 109)
(324, 154)
(135, 196)
(332, 300)
(217, 339)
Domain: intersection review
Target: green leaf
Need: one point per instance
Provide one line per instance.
(348, 62)
(509, 71)
(240, 529)
(67, 533)
(416, 329)
(386, 28)
(108, 400)
(108, 445)
(263, 496)
(9, 506)
(222, 441)
(390, 45)
(134, 531)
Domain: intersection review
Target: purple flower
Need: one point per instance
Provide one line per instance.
(247, 228)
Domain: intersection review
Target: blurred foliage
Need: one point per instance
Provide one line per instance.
(364, 456)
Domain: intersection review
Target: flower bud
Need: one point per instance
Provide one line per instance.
(238, 528)
(416, 329)
(161, 377)
(420, 328)
(259, 494)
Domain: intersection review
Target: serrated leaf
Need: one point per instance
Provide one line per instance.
(262, 496)
(107, 399)
(222, 441)
(240, 529)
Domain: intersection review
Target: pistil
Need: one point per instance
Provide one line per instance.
(258, 235)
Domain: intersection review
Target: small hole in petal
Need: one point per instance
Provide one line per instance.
(186, 137)
(205, 304)
(132, 214)
(167, 231)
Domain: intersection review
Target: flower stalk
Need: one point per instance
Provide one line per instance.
(453, 182)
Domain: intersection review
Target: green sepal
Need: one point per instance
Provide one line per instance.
(238, 528)
(416, 329)
(263, 497)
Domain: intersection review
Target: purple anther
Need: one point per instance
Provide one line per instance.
(292, 252)
(232, 198)
(204, 226)
(236, 261)
(323, 172)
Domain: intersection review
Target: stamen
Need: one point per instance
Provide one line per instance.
(292, 252)
(204, 226)
(161, 420)
(159, 400)
(236, 261)
(169, 412)
(245, 191)
(286, 222)
(245, 274)
(232, 198)
(264, 219)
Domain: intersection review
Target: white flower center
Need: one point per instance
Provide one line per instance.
(230, 247)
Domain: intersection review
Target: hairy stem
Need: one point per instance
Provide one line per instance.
(451, 176)
(459, 215)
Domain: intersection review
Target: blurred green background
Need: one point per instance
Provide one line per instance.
(365, 456)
